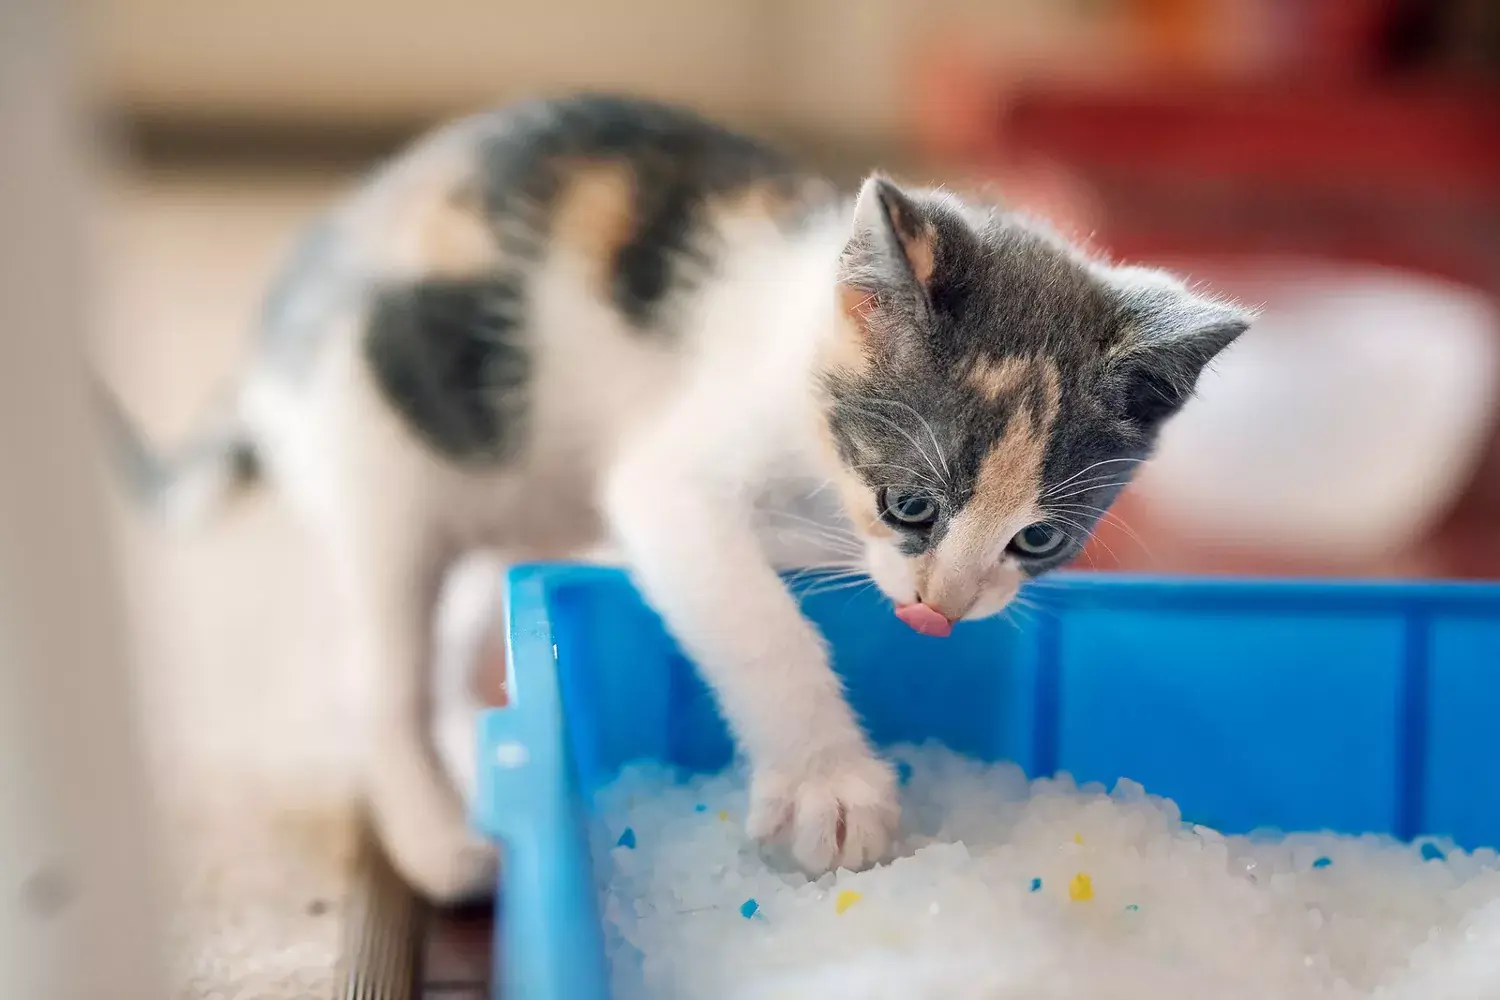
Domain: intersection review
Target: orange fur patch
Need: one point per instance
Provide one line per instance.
(453, 239)
(918, 241)
(595, 217)
(428, 221)
(921, 253)
(994, 378)
(1006, 493)
(1010, 476)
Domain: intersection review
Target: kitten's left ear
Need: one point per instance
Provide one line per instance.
(1168, 335)
(893, 246)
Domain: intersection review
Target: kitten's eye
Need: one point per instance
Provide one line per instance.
(1038, 540)
(907, 508)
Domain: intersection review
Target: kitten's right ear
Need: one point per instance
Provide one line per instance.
(893, 247)
(1168, 335)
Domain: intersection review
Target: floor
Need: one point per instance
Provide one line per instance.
(233, 630)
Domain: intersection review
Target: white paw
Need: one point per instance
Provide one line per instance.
(836, 810)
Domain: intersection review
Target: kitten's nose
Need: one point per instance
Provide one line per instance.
(924, 619)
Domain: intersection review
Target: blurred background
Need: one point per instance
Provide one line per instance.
(1334, 162)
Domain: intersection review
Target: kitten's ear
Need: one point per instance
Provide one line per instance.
(893, 245)
(1168, 335)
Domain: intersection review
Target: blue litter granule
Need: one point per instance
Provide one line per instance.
(1432, 852)
(1036, 885)
(627, 839)
(749, 908)
(903, 771)
(700, 808)
(1322, 862)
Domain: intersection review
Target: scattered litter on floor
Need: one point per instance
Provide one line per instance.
(1007, 889)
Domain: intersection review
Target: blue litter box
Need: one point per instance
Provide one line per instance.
(1304, 706)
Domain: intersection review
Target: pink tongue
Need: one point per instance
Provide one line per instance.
(925, 620)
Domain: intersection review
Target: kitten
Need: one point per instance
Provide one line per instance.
(597, 320)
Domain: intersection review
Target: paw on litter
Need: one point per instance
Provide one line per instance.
(1177, 910)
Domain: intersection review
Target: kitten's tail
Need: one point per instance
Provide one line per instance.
(220, 464)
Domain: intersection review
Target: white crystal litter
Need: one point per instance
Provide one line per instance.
(1172, 910)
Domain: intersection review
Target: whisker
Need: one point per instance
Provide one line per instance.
(1103, 515)
(922, 477)
(834, 543)
(926, 487)
(1025, 602)
(1090, 468)
(856, 591)
(820, 529)
(1055, 518)
(817, 587)
(835, 569)
(1090, 536)
(781, 512)
(1089, 486)
(942, 476)
(923, 420)
(829, 567)
(1112, 518)
(814, 548)
(818, 591)
(1017, 610)
(818, 489)
(819, 569)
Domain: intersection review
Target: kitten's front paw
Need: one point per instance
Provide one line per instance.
(834, 811)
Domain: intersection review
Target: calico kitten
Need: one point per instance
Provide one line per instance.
(598, 320)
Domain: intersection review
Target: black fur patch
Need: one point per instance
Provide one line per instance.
(449, 357)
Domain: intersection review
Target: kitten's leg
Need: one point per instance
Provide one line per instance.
(696, 556)
(469, 669)
(395, 573)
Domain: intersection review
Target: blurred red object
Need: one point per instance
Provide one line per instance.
(1402, 180)
(1409, 180)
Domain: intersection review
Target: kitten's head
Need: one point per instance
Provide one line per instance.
(989, 391)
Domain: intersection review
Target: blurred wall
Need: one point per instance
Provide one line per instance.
(841, 67)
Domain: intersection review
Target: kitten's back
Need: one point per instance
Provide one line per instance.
(437, 264)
